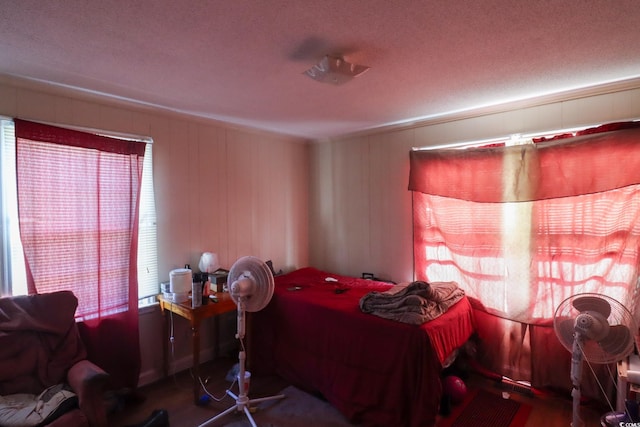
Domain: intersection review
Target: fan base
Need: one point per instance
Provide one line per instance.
(243, 404)
(630, 416)
(614, 419)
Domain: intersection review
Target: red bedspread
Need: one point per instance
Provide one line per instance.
(377, 372)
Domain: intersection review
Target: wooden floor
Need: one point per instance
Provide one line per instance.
(548, 409)
(175, 394)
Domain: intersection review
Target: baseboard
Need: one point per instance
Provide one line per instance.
(152, 375)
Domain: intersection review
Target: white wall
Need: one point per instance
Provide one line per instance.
(341, 205)
(218, 188)
(360, 208)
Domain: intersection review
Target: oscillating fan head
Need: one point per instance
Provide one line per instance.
(592, 325)
(252, 282)
(604, 325)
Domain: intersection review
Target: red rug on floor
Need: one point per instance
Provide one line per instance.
(482, 408)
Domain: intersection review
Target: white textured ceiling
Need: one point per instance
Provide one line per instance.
(242, 61)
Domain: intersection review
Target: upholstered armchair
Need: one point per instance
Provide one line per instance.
(45, 378)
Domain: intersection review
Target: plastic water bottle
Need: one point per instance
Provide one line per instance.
(196, 294)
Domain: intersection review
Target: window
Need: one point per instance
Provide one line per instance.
(522, 259)
(13, 271)
(148, 282)
(14, 280)
(523, 227)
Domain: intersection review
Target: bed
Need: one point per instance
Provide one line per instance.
(377, 372)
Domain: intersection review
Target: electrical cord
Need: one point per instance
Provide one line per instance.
(217, 399)
(600, 386)
(172, 340)
(171, 336)
(173, 361)
(233, 383)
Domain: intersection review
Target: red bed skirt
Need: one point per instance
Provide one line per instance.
(377, 372)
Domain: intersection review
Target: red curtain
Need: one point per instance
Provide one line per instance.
(78, 197)
(592, 161)
(521, 228)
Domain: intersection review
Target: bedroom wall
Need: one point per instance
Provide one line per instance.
(218, 188)
(360, 208)
(341, 205)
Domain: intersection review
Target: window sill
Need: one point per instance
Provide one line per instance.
(148, 305)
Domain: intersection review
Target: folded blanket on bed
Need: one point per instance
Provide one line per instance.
(414, 303)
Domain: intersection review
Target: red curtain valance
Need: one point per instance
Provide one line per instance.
(550, 168)
(57, 135)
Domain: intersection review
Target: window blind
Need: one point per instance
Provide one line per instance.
(14, 281)
(13, 275)
(148, 282)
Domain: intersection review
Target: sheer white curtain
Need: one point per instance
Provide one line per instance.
(522, 228)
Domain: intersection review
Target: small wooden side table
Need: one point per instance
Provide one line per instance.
(195, 316)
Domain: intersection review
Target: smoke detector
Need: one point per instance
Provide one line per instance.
(335, 70)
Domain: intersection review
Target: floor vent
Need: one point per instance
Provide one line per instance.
(510, 385)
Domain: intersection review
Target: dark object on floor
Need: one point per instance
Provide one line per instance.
(631, 416)
(454, 388)
(614, 419)
(158, 418)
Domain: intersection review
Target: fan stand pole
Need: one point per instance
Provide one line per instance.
(243, 403)
(576, 376)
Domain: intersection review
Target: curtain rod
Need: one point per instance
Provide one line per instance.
(506, 139)
(102, 132)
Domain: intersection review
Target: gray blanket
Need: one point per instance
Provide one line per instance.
(414, 303)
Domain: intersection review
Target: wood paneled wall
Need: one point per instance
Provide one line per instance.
(218, 188)
(360, 208)
(341, 204)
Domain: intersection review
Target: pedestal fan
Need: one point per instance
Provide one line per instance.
(595, 328)
(251, 288)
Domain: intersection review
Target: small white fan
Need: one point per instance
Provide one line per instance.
(596, 328)
(251, 289)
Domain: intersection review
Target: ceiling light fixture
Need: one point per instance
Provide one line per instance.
(335, 70)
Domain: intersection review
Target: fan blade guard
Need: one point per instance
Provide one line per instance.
(251, 279)
(601, 343)
(618, 341)
(565, 329)
(592, 303)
